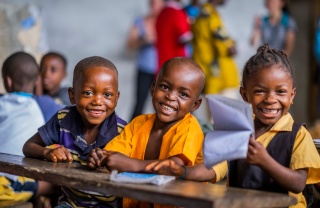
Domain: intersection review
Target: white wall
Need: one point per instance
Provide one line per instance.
(82, 28)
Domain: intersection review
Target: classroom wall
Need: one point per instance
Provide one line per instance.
(81, 28)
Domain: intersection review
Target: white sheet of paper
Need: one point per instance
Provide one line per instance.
(233, 125)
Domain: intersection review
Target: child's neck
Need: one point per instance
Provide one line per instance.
(90, 133)
(261, 128)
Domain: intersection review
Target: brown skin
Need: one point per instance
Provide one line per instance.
(175, 93)
(268, 89)
(270, 92)
(52, 71)
(95, 95)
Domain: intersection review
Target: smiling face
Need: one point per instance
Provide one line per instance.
(52, 73)
(95, 94)
(270, 91)
(176, 92)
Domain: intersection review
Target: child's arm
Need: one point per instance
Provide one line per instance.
(292, 180)
(35, 148)
(196, 173)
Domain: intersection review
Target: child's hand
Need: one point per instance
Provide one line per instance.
(257, 154)
(165, 167)
(117, 161)
(96, 158)
(58, 154)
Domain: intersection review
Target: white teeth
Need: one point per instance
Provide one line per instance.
(269, 111)
(167, 108)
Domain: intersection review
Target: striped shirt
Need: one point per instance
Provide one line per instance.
(64, 129)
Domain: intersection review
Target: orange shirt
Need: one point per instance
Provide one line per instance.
(185, 137)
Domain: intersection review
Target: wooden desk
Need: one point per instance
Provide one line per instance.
(180, 193)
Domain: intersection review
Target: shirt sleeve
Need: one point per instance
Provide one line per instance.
(183, 27)
(50, 132)
(292, 26)
(221, 170)
(186, 140)
(123, 142)
(305, 155)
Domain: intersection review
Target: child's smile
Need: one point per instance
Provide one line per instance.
(270, 91)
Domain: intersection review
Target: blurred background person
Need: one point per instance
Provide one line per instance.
(173, 32)
(278, 28)
(142, 37)
(214, 50)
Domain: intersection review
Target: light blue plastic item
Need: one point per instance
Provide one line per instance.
(129, 177)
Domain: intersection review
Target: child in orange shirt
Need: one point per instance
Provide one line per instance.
(171, 132)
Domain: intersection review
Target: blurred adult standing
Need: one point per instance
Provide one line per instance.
(173, 32)
(213, 49)
(278, 28)
(142, 37)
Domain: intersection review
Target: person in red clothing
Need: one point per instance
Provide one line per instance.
(173, 32)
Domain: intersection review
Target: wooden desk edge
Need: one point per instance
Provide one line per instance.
(21, 166)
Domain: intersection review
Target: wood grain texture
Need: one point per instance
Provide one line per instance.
(180, 193)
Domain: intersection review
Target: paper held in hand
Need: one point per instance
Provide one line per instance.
(233, 125)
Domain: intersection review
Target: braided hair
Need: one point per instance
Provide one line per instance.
(265, 58)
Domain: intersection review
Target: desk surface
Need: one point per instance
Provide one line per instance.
(180, 193)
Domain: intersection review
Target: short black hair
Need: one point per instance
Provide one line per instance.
(89, 62)
(194, 66)
(266, 57)
(22, 68)
(56, 55)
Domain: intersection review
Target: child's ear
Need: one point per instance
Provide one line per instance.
(293, 93)
(71, 95)
(8, 84)
(153, 85)
(243, 94)
(197, 104)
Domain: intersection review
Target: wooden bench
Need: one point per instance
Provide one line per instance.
(179, 192)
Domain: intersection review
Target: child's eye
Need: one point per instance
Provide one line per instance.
(107, 94)
(164, 87)
(183, 95)
(258, 91)
(87, 93)
(282, 91)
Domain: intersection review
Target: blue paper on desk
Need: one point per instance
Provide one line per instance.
(130, 177)
(233, 125)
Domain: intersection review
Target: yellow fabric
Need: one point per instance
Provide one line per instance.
(185, 138)
(304, 154)
(8, 194)
(207, 47)
(221, 170)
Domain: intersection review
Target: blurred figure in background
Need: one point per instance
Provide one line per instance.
(278, 28)
(213, 49)
(142, 37)
(53, 71)
(173, 32)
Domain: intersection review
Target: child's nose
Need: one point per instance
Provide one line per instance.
(171, 95)
(271, 97)
(98, 100)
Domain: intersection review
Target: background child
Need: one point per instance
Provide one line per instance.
(172, 132)
(282, 156)
(278, 28)
(20, 117)
(53, 71)
(75, 130)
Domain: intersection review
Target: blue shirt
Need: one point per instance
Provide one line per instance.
(64, 128)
